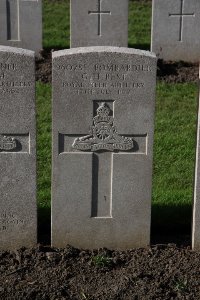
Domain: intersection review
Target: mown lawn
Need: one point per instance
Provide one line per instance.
(175, 123)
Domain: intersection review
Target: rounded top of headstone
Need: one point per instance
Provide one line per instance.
(102, 49)
(15, 50)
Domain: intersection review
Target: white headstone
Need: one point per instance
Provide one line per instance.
(99, 23)
(196, 203)
(175, 30)
(18, 211)
(21, 24)
(103, 116)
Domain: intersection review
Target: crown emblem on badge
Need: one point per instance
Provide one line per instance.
(7, 143)
(104, 135)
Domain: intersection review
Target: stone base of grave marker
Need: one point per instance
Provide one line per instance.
(103, 116)
(18, 211)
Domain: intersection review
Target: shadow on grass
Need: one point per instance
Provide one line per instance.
(140, 46)
(44, 225)
(171, 224)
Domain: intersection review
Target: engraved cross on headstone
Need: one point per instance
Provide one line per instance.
(104, 142)
(99, 12)
(181, 15)
(13, 19)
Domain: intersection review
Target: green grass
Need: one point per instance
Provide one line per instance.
(175, 123)
(44, 144)
(56, 24)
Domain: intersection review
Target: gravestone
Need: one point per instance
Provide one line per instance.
(21, 24)
(196, 201)
(103, 116)
(99, 23)
(175, 29)
(18, 217)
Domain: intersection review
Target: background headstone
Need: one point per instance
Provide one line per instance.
(18, 212)
(99, 23)
(103, 116)
(21, 24)
(175, 29)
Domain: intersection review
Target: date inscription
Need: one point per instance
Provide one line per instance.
(104, 79)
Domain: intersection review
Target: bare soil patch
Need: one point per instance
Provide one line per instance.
(160, 272)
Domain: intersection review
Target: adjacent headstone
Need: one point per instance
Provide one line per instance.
(175, 29)
(99, 23)
(21, 24)
(18, 217)
(103, 116)
(196, 202)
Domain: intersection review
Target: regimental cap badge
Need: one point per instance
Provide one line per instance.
(103, 110)
(104, 135)
(7, 143)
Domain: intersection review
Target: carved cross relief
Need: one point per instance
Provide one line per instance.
(13, 19)
(99, 14)
(181, 16)
(104, 142)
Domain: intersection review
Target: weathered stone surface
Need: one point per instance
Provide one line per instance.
(103, 116)
(21, 24)
(175, 29)
(18, 217)
(196, 201)
(99, 23)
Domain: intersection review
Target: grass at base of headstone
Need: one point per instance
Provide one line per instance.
(43, 104)
(174, 154)
(56, 24)
(44, 144)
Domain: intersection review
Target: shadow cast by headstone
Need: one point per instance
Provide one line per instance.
(144, 46)
(171, 224)
(44, 225)
(55, 48)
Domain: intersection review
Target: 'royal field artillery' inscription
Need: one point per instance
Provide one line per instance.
(18, 211)
(103, 108)
(106, 79)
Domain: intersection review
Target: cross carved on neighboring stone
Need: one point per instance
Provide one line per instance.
(13, 19)
(99, 12)
(181, 15)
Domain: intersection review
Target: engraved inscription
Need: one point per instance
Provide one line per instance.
(104, 79)
(7, 143)
(9, 220)
(8, 85)
(99, 12)
(181, 16)
(104, 135)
